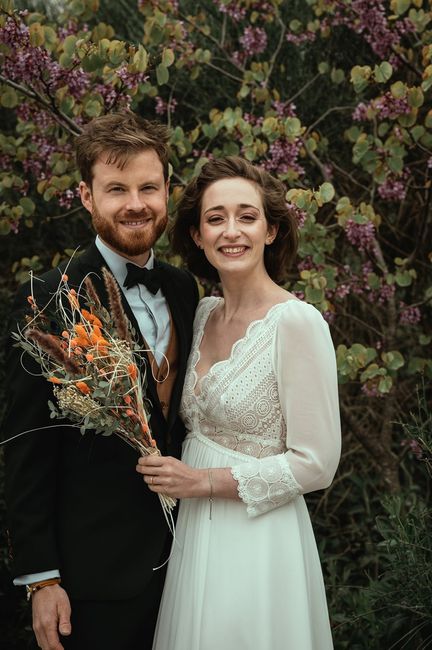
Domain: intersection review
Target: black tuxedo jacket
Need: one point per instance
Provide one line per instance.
(76, 502)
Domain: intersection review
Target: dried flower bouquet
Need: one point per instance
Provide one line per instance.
(91, 358)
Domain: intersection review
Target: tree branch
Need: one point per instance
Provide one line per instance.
(213, 40)
(66, 122)
(303, 88)
(277, 50)
(227, 74)
(327, 112)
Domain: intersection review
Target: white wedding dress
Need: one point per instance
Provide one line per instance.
(250, 577)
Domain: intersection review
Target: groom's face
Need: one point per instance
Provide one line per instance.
(128, 204)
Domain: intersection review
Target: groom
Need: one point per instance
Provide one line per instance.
(86, 532)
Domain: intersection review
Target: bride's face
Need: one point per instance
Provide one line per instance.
(233, 228)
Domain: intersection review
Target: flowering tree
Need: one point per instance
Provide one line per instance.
(331, 96)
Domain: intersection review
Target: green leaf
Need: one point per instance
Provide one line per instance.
(8, 98)
(93, 108)
(27, 205)
(403, 278)
(337, 75)
(385, 384)
(5, 227)
(292, 127)
(162, 74)
(326, 192)
(140, 59)
(400, 6)
(314, 295)
(69, 45)
(37, 34)
(398, 90)
(383, 72)
(168, 57)
(393, 359)
(415, 97)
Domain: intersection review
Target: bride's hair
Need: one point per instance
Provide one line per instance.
(278, 256)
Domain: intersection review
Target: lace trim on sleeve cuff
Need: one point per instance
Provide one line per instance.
(265, 484)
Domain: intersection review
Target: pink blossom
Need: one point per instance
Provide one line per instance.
(409, 314)
(254, 40)
(343, 290)
(300, 215)
(284, 109)
(360, 235)
(306, 264)
(370, 388)
(329, 316)
(231, 9)
(360, 112)
(298, 39)
(283, 156)
(162, 106)
(413, 446)
(392, 189)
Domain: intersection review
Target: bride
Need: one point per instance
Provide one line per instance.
(260, 405)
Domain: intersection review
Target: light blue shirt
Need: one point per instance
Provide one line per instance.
(153, 318)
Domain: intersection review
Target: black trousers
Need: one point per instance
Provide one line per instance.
(116, 624)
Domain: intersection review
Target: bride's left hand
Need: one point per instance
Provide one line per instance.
(167, 475)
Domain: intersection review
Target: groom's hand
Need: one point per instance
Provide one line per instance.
(51, 615)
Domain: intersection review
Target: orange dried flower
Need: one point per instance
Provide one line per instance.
(90, 357)
(129, 412)
(64, 277)
(82, 386)
(96, 321)
(132, 371)
(54, 380)
(127, 399)
(65, 334)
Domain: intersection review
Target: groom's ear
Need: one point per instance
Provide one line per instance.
(86, 196)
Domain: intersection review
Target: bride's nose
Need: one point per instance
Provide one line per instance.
(231, 230)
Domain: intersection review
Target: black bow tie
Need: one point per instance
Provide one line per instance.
(151, 278)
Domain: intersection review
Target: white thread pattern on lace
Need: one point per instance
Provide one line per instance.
(238, 407)
(265, 484)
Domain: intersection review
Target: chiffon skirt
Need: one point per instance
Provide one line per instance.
(240, 583)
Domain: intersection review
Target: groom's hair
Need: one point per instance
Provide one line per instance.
(118, 136)
(278, 255)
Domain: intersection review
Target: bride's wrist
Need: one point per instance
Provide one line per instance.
(202, 484)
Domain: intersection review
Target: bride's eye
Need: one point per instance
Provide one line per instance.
(215, 219)
(247, 217)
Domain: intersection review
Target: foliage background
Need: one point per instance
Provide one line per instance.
(332, 96)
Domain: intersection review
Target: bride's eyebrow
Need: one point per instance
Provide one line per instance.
(222, 207)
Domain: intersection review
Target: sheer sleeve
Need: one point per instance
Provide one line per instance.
(304, 363)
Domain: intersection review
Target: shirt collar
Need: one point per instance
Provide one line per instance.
(117, 263)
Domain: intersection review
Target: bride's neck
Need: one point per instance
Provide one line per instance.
(243, 296)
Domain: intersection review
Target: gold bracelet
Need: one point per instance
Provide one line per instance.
(211, 492)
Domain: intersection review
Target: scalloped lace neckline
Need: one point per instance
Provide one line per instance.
(198, 382)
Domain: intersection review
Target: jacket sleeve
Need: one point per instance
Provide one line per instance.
(31, 458)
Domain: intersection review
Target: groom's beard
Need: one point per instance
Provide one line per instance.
(129, 242)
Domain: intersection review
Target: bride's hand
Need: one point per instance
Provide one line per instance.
(167, 475)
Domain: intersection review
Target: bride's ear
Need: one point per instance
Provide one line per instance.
(194, 233)
(272, 232)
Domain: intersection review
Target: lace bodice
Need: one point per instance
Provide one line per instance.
(242, 403)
